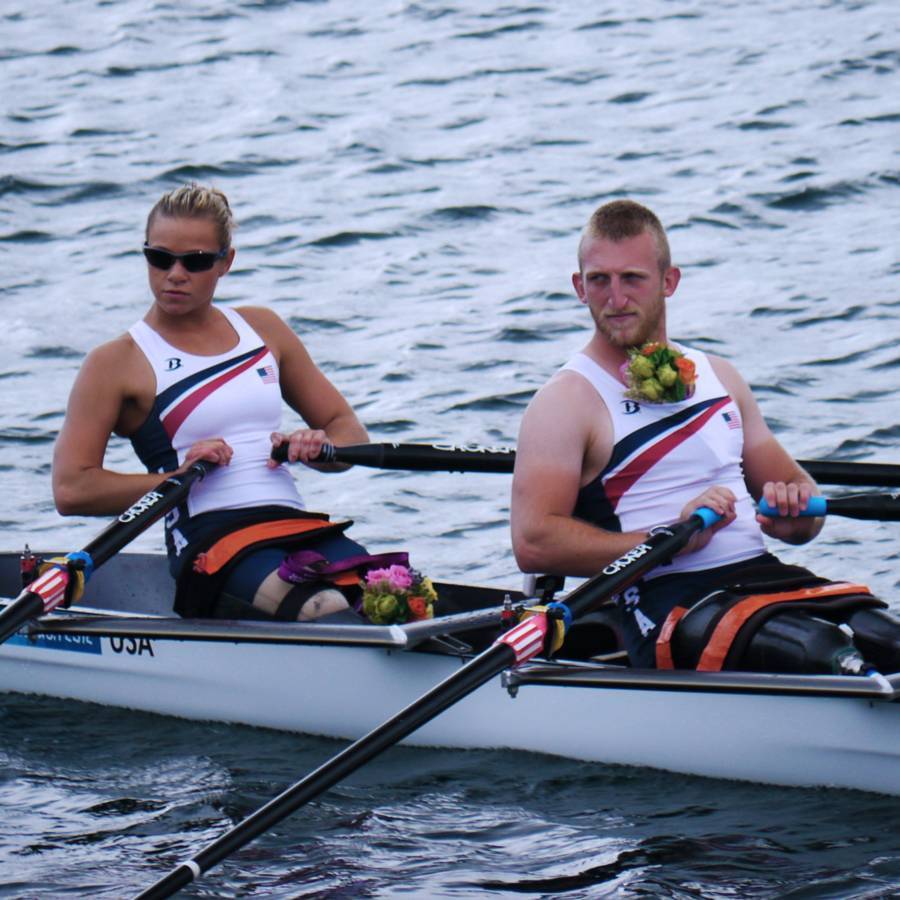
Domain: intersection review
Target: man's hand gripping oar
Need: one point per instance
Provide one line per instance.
(875, 507)
(62, 580)
(516, 646)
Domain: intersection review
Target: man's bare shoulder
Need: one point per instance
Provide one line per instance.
(728, 374)
(565, 391)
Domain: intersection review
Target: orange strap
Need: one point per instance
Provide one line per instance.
(229, 546)
(664, 641)
(344, 579)
(730, 624)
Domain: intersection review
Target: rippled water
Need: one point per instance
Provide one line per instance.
(410, 179)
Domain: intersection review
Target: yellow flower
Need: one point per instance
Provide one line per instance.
(428, 591)
(641, 367)
(387, 606)
(667, 375)
(658, 373)
(651, 389)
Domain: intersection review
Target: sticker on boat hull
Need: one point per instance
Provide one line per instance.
(77, 643)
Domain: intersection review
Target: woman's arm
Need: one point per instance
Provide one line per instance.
(307, 391)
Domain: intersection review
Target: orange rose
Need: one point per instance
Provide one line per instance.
(651, 348)
(686, 369)
(418, 608)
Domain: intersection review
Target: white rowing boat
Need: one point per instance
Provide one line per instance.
(123, 647)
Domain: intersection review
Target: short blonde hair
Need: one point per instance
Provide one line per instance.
(623, 219)
(193, 201)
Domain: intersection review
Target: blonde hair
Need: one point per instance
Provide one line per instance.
(193, 201)
(623, 219)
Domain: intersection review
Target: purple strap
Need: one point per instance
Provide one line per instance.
(308, 565)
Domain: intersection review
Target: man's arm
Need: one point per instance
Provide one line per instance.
(769, 470)
(563, 432)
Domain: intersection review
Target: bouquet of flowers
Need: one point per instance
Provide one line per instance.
(658, 373)
(397, 594)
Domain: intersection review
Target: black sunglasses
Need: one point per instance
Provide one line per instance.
(198, 261)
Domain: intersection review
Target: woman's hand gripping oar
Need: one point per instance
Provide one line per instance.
(63, 579)
(516, 646)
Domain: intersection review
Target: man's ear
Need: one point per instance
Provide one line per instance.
(671, 279)
(578, 284)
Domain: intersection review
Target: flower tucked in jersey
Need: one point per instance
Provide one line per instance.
(658, 373)
(396, 595)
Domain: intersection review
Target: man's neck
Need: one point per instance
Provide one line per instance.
(610, 357)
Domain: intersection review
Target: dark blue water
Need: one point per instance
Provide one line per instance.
(410, 180)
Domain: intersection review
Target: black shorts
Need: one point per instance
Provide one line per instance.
(644, 606)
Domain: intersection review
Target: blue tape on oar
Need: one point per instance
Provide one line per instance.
(817, 506)
(86, 561)
(566, 612)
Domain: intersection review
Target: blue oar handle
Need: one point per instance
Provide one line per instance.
(817, 506)
(707, 516)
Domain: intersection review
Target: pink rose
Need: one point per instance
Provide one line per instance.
(399, 578)
(373, 576)
(395, 578)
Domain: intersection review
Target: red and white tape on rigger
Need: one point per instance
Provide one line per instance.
(527, 638)
(51, 587)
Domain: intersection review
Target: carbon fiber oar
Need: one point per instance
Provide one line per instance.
(473, 458)
(516, 646)
(416, 457)
(49, 590)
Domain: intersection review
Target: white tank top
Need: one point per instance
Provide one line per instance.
(234, 395)
(666, 454)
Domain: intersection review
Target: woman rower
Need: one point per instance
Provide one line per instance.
(191, 381)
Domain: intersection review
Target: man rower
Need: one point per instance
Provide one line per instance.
(607, 450)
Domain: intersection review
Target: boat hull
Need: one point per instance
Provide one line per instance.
(345, 691)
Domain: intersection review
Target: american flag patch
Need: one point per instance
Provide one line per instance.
(267, 373)
(732, 419)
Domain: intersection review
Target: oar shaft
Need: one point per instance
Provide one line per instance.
(416, 457)
(47, 591)
(25, 607)
(513, 648)
(662, 544)
(467, 679)
(473, 458)
(852, 474)
(144, 512)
